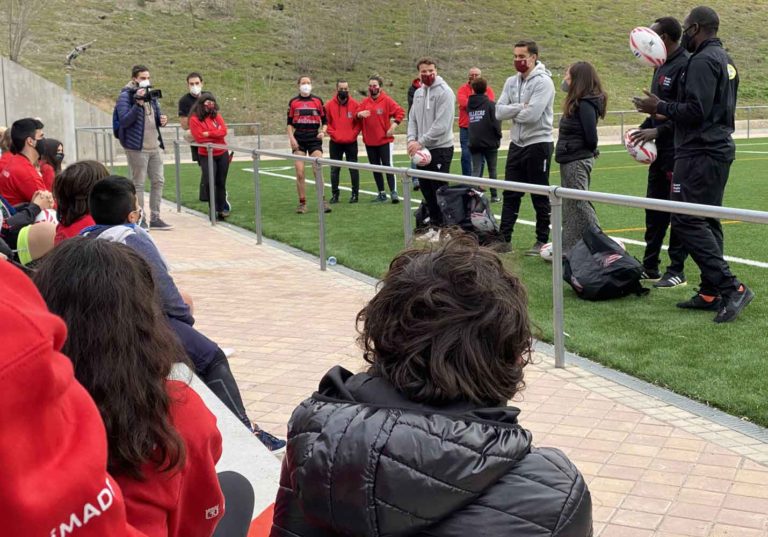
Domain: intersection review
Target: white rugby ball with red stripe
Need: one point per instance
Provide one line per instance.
(644, 153)
(647, 46)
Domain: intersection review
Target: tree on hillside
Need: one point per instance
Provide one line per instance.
(20, 14)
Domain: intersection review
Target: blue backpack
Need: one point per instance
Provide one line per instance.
(115, 123)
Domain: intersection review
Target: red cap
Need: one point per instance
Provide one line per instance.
(53, 446)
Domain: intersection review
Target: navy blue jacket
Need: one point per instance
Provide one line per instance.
(131, 117)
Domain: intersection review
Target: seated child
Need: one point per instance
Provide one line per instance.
(71, 191)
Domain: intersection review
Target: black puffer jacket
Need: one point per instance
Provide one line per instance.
(364, 461)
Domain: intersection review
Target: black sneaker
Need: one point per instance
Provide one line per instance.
(381, 198)
(335, 197)
(535, 249)
(697, 302)
(156, 224)
(495, 199)
(732, 305)
(650, 274)
(671, 280)
(353, 198)
(395, 197)
(144, 224)
(272, 443)
(416, 184)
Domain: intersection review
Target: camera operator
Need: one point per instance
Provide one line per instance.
(138, 113)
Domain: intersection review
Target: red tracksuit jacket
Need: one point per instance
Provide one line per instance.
(19, 180)
(216, 129)
(462, 96)
(376, 125)
(343, 125)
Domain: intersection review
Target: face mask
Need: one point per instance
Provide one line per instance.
(565, 86)
(305, 89)
(39, 148)
(374, 91)
(144, 83)
(59, 156)
(428, 80)
(521, 66)
(687, 41)
(343, 94)
(210, 108)
(195, 90)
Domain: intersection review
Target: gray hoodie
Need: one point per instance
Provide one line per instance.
(528, 103)
(430, 121)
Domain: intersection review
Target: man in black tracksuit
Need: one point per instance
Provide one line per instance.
(704, 150)
(664, 85)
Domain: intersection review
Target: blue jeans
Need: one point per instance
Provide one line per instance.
(466, 156)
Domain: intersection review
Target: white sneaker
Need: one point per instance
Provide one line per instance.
(228, 351)
(430, 236)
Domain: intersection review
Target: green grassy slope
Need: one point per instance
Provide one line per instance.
(251, 52)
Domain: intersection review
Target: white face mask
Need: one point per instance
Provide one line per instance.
(144, 83)
(195, 90)
(305, 89)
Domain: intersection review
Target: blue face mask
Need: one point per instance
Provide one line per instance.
(565, 86)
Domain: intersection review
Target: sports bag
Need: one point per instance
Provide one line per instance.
(599, 269)
(469, 209)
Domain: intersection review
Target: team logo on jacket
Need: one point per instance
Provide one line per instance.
(675, 188)
(349, 115)
(379, 111)
(212, 512)
(731, 72)
(665, 81)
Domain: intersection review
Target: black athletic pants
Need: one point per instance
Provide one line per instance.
(380, 154)
(702, 179)
(240, 499)
(338, 151)
(529, 164)
(656, 222)
(441, 162)
(220, 170)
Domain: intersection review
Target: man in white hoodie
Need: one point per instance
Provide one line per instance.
(527, 100)
(430, 125)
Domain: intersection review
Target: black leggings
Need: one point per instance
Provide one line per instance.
(380, 154)
(218, 377)
(220, 170)
(239, 499)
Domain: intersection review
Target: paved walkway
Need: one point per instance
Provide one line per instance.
(654, 469)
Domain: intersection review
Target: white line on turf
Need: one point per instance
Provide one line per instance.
(730, 259)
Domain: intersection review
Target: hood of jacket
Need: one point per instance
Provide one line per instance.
(367, 461)
(476, 102)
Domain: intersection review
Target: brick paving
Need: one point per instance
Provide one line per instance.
(653, 469)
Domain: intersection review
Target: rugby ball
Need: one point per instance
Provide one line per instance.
(47, 215)
(647, 46)
(546, 252)
(422, 157)
(644, 153)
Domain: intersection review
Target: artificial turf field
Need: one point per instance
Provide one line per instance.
(648, 337)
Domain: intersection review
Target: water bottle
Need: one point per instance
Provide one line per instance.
(331, 261)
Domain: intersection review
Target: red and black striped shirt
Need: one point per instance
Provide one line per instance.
(306, 115)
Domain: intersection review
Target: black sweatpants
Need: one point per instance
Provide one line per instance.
(220, 171)
(338, 151)
(441, 162)
(656, 222)
(702, 179)
(381, 154)
(529, 164)
(240, 499)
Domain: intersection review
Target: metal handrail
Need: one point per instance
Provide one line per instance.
(555, 194)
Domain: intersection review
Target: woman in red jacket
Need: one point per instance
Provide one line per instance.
(51, 157)
(208, 127)
(163, 443)
(380, 115)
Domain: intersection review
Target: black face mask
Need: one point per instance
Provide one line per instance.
(342, 95)
(687, 40)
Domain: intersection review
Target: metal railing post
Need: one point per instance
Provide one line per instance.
(211, 187)
(111, 154)
(258, 136)
(96, 143)
(177, 160)
(407, 228)
(257, 195)
(77, 145)
(621, 119)
(749, 121)
(557, 277)
(104, 141)
(319, 188)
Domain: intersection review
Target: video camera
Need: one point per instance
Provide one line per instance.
(150, 94)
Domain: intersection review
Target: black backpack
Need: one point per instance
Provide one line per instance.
(469, 209)
(599, 269)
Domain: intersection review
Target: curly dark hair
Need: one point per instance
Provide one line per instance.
(72, 188)
(448, 324)
(120, 345)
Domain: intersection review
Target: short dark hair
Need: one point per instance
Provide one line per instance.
(72, 188)
(341, 81)
(111, 200)
(479, 85)
(670, 26)
(377, 78)
(706, 18)
(21, 130)
(136, 69)
(194, 74)
(425, 61)
(531, 46)
(449, 323)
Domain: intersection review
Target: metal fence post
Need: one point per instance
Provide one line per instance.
(177, 160)
(749, 121)
(621, 119)
(257, 195)
(211, 186)
(258, 136)
(557, 277)
(407, 229)
(77, 145)
(319, 188)
(111, 154)
(96, 142)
